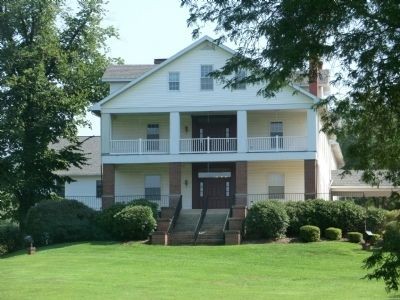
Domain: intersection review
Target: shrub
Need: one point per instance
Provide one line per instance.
(61, 221)
(376, 219)
(10, 238)
(105, 218)
(333, 233)
(355, 237)
(391, 237)
(134, 222)
(392, 215)
(143, 202)
(375, 238)
(309, 233)
(345, 215)
(267, 219)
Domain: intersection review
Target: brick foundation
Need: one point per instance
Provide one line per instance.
(108, 196)
(163, 224)
(233, 237)
(159, 238)
(310, 178)
(239, 211)
(236, 224)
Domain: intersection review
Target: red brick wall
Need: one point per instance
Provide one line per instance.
(175, 174)
(108, 185)
(241, 182)
(310, 178)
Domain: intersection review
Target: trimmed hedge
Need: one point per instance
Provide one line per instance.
(267, 219)
(134, 222)
(309, 233)
(61, 221)
(10, 237)
(143, 202)
(345, 215)
(355, 237)
(333, 234)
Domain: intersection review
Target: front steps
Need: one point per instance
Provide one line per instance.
(185, 228)
(212, 230)
(200, 227)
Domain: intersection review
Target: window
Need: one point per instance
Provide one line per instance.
(276, 130)
(227, 189)
(206, 82)
(152, 187)
(276, 186)
(153, 136)
(201, 189)
(227, 132)
(99, 188)
(173, 81)
(241, 74)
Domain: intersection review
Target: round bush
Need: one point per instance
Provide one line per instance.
(144, 202)
(10, 237)
(391, 237)
(333, 234)
(376, 219)
(355, 237)
(267, 219)
(61, 221)
(309, 233)
(134, 223)
(105, 218)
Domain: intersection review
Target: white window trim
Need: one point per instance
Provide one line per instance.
(213, 83)
(179, 81)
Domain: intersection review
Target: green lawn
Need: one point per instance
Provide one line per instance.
(325, 270)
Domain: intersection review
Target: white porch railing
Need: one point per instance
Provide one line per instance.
(277, 143)
(208, 145)
(140, 146)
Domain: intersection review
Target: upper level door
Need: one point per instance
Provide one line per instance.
(223, 126)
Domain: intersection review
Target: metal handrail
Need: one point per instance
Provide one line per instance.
(201, 219)
(178, 209)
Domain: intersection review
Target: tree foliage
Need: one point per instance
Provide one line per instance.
(52, 57)
(279, 39)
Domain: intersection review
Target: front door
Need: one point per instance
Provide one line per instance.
(213, 185)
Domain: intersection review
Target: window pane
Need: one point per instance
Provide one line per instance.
(239, 76)
(276, 192)
(206, 82)
(276, 128)
(173, 81)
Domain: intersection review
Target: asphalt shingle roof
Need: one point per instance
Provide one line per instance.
(92, 148)
(353, 179)
(126, 72)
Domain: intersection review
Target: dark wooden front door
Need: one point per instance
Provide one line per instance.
(213, 185)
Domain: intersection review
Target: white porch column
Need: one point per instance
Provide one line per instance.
(242, 131)
(174, 132)
(105, 132)
(312, 130)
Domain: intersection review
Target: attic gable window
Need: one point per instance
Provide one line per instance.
(206, 81)
(241, 74)
(173, 81)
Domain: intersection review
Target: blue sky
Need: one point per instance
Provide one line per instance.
(148, 29)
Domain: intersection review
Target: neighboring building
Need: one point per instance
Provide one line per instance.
(170, 129)
(86, 185)
(352, 186)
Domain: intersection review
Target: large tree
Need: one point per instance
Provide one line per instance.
(52, 57)
(279, 39)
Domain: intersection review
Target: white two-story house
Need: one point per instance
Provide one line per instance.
(170, 129)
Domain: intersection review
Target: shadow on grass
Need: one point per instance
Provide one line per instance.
(58, 246)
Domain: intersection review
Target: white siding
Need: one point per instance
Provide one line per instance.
(83, 189)
(115, 86)
(153, 91)
(129, 179)
(258, 173)
(125, 127)
(294, 123)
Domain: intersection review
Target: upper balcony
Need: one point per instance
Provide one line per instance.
(239, 135)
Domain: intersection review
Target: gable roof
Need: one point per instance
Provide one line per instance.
(155, 68)
(125, 72)
(91, 147)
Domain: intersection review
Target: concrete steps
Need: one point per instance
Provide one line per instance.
(184, 230)
(212, 230)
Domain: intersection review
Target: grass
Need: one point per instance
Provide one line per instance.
(325, 270)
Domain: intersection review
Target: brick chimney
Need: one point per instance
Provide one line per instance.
(313, 77)
(158, 61)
